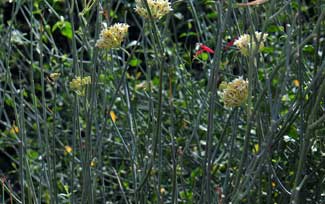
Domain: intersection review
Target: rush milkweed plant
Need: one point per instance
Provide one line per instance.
(156, 101)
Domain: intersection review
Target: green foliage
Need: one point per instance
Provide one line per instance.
(134, 62)
(64, 27)
(151, 127)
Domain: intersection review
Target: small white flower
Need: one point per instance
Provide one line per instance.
(287, 138)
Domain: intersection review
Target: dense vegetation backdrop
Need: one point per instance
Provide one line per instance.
(196, 101)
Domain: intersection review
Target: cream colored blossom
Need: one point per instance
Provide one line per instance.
(158, 8)
(144, 85)
(235, 93)
(79, 84)
(112, 36)
(247, 42)
(55, 76)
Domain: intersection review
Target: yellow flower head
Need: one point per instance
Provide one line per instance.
(14, 129)
(93, 162)
(113, 116)
(158, 8)
(247, 42)
(235, 93)
(112, 36)
(79, 84)
(296, 83)
(67, 149)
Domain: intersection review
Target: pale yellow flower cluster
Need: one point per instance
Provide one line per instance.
(158, 8)
(235, 93)
(112, 36)
(79, 84)
(246, 42)
(55, 76)
(14, 129)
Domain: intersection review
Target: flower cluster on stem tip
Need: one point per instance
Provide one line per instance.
(234, 93)
(112, 36)
(158, 8)
(247, 42)
(79, 84)
(55, 76)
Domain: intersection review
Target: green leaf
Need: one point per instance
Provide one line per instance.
(155, 81)
(275, 82)
(134, 62)
(32, 154)
(268, 50)
(308, 49)
(112, 14)
(64, 27)
(187, 34)
(67, 30)
(9, 101)
(186, 195)
(37, 10)
(274, 28)
(56, 26)
(195, 174)
(293, 133)
(212, 15)
(294, 5)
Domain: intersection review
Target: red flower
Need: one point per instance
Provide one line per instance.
(230, 43)
(203, 48)
(206, 48)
